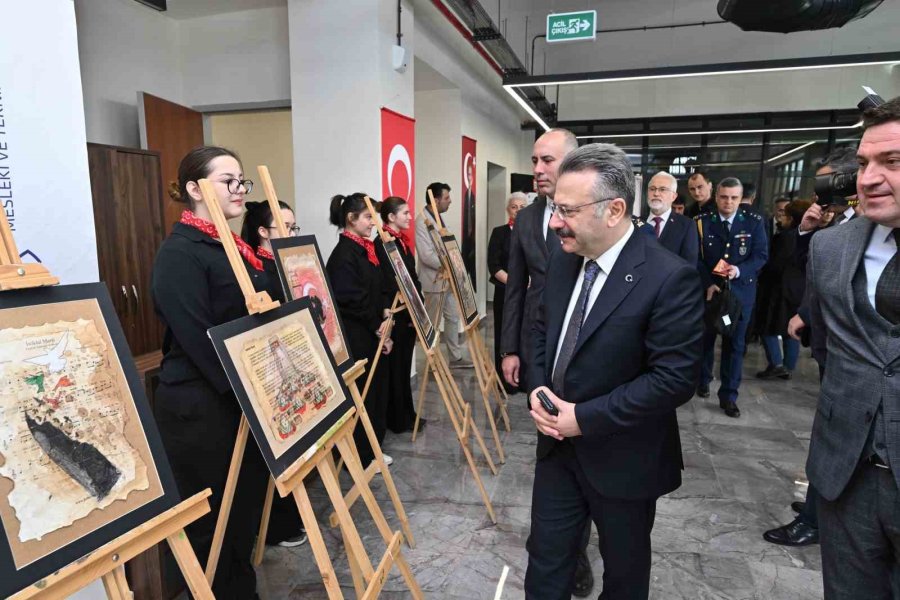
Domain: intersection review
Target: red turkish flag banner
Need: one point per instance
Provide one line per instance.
(398, 165)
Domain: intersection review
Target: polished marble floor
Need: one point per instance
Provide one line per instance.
(739, 480)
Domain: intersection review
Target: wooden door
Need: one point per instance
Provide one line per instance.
(128, 218)
(172, 130)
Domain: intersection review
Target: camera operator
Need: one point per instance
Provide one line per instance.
(853, 275)
(804, 530)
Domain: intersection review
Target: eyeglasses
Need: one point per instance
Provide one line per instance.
(234, 185)
(654, 190)
(567, 211)
(293, 230)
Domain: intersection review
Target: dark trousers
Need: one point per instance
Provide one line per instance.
(810, 512)
(499, 296)
(198, 429)
(563, 501)
(860, 537)
(363, 344)
(401, 413)
(732, 364)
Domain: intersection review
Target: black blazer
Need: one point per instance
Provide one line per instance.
(679, 235)
(637, 359)
(194, 289)
(528, 256)
(498, 254)
(357, 286)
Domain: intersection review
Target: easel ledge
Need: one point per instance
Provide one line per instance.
(15, 275)
(103, 561)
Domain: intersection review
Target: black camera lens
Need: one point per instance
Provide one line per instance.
(834, 188)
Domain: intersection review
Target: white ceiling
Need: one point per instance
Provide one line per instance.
(190, 9)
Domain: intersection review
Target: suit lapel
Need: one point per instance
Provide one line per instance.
(538, 225)
(670, 230)
(851, 261)
(623, 278)
(557, 303)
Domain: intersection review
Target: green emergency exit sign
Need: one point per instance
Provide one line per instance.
(572, 26)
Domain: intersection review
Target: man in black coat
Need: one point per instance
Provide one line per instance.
(617, 348)
(675, 232)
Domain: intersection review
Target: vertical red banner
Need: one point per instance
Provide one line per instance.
(398, 165)
(468, 209)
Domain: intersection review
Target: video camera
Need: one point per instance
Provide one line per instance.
(834, 187)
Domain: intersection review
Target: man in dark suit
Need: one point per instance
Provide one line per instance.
(675, 232)
(498, 263)
(701, 191)
(853, 276)
(617, 348)
(737, 237)
(531, 243)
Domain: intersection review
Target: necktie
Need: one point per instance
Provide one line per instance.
(591, 270)
(887, 291)
(656, 228)
(727, 226)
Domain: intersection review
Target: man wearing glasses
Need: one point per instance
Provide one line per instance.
(674, 231)
(616, 349)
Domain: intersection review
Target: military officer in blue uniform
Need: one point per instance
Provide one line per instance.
(737, 236)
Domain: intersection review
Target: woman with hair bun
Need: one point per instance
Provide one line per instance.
(258, 230)
(194, 288)
(401, 413)
(356, 281)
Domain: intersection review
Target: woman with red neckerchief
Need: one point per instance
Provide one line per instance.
(401, 413)
(194, 289)
(258, 230)
(356, 281)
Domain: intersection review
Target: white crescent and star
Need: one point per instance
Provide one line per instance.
(399, 154)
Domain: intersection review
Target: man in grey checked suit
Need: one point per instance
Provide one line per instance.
(854, 459)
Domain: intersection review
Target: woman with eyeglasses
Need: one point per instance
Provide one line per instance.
(401, 412)
(194, 288)
(356, 280)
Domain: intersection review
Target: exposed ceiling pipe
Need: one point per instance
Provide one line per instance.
(448, 14)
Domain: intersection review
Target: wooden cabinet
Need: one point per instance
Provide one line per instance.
(128, 216)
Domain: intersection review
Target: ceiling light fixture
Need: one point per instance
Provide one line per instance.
(524, 104)
(719, 132)
(791, 151)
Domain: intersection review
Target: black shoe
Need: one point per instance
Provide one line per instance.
(773, 372)
(798, 506)
(730, 409)
(703, 390)
(584, 578)
(786, 375)
(795, 533)
(766, 373)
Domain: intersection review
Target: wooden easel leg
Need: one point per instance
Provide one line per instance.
(345, 447)
(317, 543)
(260, 549)
(484, 386)
(422, 387)
(190, 566)
(452, 382)
(451, 412)
(359, 582)
(237, 457)
(116, 585)
(494, 382)
(348, 529)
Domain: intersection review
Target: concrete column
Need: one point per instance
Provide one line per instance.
(341, 77)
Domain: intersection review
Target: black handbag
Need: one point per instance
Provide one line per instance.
(724, 311)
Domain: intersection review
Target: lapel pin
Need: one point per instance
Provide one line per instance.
(629, 278)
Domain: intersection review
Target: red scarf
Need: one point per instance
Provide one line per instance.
(263, 253)
(510, 223)
(190, 219)
(369, 245)
(399, 237)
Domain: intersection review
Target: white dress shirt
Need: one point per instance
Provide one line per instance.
(662, 224)
(606, 261)
(879, 252)
(547, 215)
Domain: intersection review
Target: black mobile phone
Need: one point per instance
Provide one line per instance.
(547, 404)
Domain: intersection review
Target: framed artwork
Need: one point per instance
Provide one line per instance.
(462, 285)
(436, 240)
(302, 272)
(411, 296)
(285, 378)
(81, 460)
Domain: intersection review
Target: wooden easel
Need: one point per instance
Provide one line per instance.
(378, 465)
(485, 373)
(367, 581)
(108, 562)
(457, 408)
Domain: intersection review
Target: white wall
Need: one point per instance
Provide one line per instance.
(236, 58)
(124, 48)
